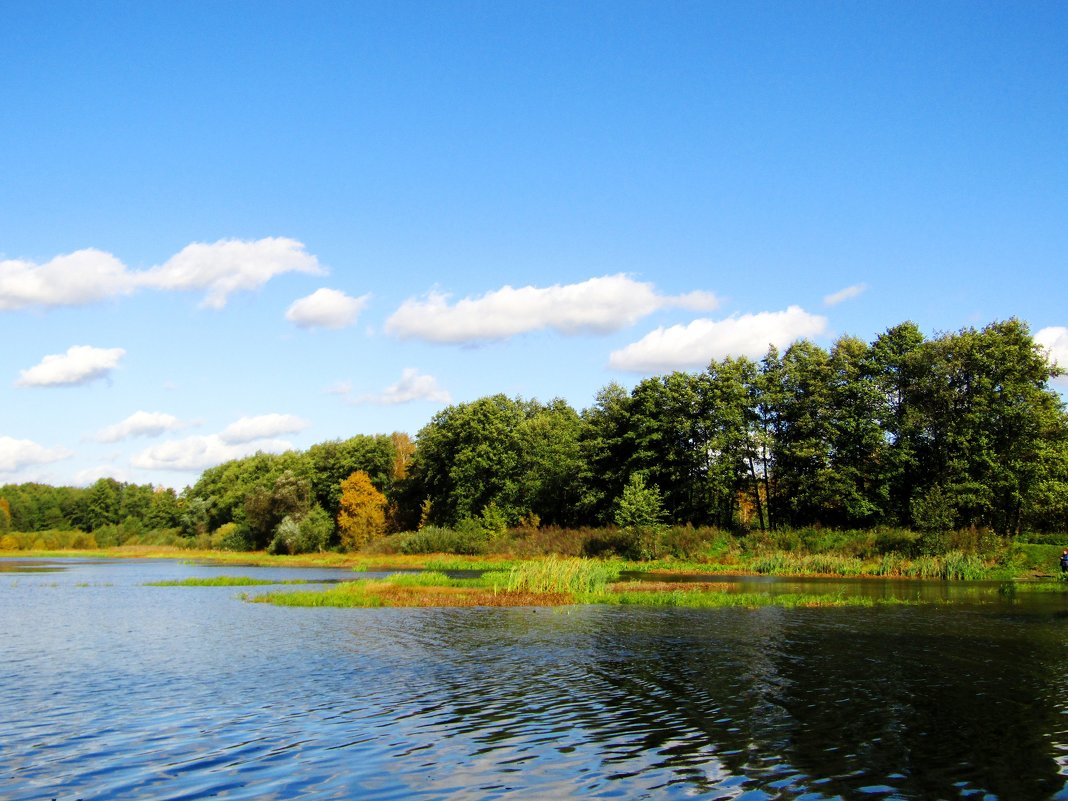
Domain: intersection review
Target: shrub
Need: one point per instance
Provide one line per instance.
(232, 537)
(469, 540)
(316, 528)
(286, 537)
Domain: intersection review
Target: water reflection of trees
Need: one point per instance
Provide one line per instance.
(929, 703)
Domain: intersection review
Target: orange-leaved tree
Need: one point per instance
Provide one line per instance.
(362, 514)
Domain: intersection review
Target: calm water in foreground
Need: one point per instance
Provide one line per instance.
(114, 690)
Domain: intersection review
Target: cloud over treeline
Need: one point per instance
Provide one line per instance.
(596, 306)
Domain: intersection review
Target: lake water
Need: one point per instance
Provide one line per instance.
(114, 690)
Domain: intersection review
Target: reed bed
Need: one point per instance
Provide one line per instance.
(555, 575)
(223, 581)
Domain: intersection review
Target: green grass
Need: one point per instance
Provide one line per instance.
(554, 575)
(223, 581)
(696, 599)
(546, 582)
(348, 594)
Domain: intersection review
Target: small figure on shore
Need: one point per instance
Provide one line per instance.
(1064, 562)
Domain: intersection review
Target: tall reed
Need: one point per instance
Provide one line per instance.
(555, 575)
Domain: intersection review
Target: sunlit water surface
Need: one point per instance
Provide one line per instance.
(115, 690)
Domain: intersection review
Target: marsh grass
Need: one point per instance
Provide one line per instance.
(403, 591)
(554, 583)
(555, 575)
(698, 599)
(224, 581)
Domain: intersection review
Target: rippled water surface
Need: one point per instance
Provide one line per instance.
(112, 689)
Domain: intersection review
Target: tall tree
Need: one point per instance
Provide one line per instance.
(362, 513)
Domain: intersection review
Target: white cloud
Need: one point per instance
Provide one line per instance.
(249, 429)
(229, 266)
(343, 388)
(842, 295)
(682, 347)
(90, 275)
(1054, 340)
(140, 424)
(16, 454)
(326, 308)
(599, 305)
(413, 386)
(79, 365)
(200, 453)
(77, 278)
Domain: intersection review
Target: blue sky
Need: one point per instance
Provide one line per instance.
(235, 226)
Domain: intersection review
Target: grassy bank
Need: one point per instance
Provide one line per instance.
(888, 553)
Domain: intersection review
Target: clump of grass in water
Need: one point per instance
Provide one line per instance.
(554, 575)
(346, 594)
(223, 581)
(691, 599)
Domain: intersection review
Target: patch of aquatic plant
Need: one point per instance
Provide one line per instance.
(555, 575)
(1055, 585)
(347, 594)
(444, 563)
(433, 578)
(692, 599)
(224, 581)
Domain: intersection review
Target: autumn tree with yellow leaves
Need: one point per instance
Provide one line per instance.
(362, 515)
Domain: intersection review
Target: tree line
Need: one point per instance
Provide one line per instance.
(954, 431)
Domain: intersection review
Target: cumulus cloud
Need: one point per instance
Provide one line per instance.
(683, 347)
(264, 426)
(86, 276)
(412, 386)
(843, 295)
(201, 452)
(1054, 340)
(140, 424)
(599, 305)
(16, 454)
(77, 278)
(230, 265)
(326, 308)
(79, 365)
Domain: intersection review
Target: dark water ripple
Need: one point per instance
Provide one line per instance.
(116, 690)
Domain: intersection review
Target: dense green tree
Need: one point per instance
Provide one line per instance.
(289, 496)
(896, 368)
(327, 464)
(734, 445)
(103, 504)
(669, 426)
(607, 449)
(163, 509)
(470, 455)
(551, 464)
(989, 418)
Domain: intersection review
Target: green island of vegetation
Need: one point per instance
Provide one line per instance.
(224, 581)
(911, 457)
(546, 582)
